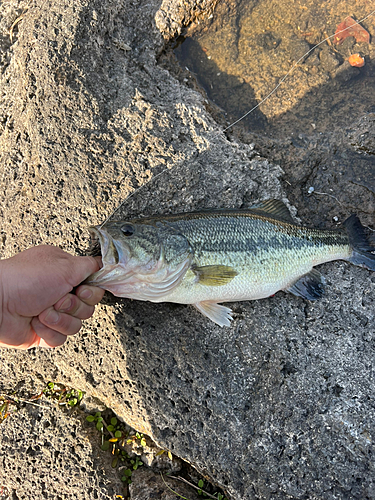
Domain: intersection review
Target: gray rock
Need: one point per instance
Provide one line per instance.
(173, 16)
(48, 454)
(278, 406)
(362, 135)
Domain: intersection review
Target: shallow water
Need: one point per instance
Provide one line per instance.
(241, 54)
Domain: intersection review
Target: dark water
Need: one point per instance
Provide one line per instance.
(319, 125)
(240, 55)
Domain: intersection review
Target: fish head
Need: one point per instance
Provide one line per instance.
(142, 259)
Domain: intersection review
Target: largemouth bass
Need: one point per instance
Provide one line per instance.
(207, 257)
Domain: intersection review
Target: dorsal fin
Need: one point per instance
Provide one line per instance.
(274, 208)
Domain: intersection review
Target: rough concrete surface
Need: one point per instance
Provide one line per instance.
(278, 406)
(46, 454)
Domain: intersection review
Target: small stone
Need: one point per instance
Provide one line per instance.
(328, 59)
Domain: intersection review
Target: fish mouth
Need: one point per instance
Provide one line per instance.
(102, 244)
(95, 247)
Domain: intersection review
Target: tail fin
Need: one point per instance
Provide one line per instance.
(363, 252)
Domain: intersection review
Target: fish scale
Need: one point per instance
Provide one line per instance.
(203, 258)
(267, 254)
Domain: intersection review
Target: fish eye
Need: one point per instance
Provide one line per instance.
(127, 229)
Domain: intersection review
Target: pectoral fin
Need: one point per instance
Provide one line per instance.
(215, 275)
(310, 286)
(220, 315)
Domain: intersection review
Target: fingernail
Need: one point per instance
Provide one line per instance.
(52, 317)
(86, 293)
(66, 304)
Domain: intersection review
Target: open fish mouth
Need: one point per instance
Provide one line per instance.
(137, 267)
(101, 244)
(95, 249)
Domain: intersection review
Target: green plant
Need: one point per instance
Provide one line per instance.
(136, 463)
(127, 476)
(65, 396)
(200, 486)
(5, 407)
(136, 436)
(114, 437)
(98, 419)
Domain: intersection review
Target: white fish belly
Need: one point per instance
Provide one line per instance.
(257, 279)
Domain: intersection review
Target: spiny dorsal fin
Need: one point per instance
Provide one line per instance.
(274, 208)
(220, 315)
(217, 275)
(310, 286)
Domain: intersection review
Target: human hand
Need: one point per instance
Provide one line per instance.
(37, 307)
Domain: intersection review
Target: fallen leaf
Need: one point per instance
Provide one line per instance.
(350, 27)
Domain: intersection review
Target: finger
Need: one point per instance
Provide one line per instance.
(71, 304)
(92, 295)
(60, 322)
(47, 336)
(82, 267)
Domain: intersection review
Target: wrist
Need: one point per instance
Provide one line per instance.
(2, 265)
(4, 296)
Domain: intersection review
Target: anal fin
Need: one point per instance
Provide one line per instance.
(310, 286)
(220, 315)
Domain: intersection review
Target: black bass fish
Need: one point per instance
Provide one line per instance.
(208, 257)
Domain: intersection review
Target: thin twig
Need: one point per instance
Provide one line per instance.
(327, 194)
(167, 485)
(18, 400)
(179, 478)
(19, 18)
(111, 433)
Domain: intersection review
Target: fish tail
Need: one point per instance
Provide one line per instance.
(363, 252)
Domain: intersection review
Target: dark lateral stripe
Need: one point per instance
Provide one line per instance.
(259, 245)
